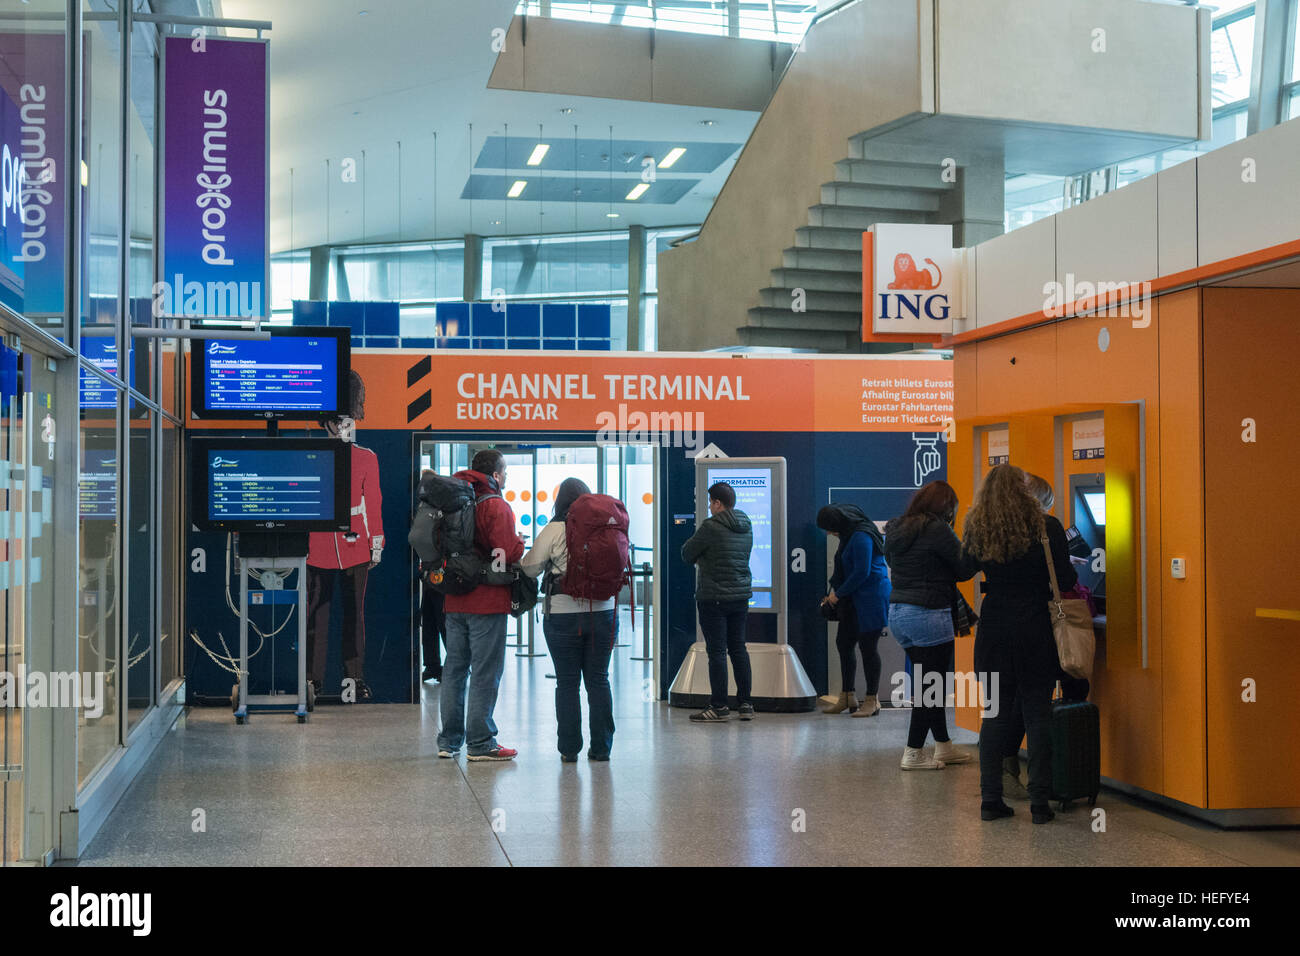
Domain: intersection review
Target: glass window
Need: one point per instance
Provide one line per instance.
(290, 279)
(170, 555)
(1295, 105)
(97, 632)
(657, 241)
(560, 265)
(1029, 198)
(425, 272)
(1295, 51)
(103, 171)
(1232, 47)
(141, 569)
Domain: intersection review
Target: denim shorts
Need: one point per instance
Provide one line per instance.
(916, 626)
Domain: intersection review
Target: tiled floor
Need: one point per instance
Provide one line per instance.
(363, 785)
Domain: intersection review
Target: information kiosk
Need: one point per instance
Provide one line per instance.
(779, 680)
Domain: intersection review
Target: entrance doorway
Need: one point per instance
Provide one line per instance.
(535, 471)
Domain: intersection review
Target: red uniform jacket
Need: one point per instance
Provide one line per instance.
(494, 527)
(347, 550)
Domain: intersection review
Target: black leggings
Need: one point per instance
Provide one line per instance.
(931, 718)
(847, 637)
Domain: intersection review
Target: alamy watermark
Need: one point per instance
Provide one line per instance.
(1127, 300)
(936, 688)
(33, 689)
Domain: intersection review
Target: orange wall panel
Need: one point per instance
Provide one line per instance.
(1181, 520)
(1252, 526)
(1004, 386)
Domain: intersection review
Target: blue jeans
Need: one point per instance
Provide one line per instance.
(476, 649)
(580, 646)
(723, 624)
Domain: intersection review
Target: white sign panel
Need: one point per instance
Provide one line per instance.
(1088, 439)
(999, 447)
(916, 286)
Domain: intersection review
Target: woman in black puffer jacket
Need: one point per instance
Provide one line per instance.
(926, 561)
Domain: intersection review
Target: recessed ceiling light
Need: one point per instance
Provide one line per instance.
(539, 153)
(637, 191)
(674, 154)
(517, 188)
(708, 122)
(611, 215)
(1127, 172)
(362, 13)
(566, 110)
(496, 222)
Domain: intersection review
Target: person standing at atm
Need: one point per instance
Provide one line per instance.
(345, 559)
(720, 549)
(859, 590)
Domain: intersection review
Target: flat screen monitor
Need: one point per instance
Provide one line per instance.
(759, 484)
(101, 352)
(271, 484)
(97, 486)
(298, 373)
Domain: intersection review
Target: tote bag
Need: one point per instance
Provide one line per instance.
(1076, 644)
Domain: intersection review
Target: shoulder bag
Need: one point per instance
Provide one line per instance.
(1076, 644)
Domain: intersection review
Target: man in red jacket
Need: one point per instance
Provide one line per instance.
(476, 623)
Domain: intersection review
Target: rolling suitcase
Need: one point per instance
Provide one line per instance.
(1076, 751)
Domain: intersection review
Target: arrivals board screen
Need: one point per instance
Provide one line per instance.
(296, 373)
(271, 484)
(753, 488)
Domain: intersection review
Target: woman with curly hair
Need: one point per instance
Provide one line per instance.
(926, 562)
(1006, 531)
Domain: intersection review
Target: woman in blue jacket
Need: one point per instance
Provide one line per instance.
(860, 592)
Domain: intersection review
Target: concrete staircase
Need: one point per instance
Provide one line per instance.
(874, 184)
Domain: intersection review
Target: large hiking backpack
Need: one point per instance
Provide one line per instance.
(442, 535)
(595, 535)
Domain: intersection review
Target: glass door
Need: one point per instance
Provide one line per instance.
(12, 644)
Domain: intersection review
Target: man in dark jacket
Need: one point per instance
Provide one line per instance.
(476, 623)
(720, 551)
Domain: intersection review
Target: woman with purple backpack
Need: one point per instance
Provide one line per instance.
(580, 624)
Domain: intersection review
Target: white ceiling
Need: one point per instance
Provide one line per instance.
(343, 83)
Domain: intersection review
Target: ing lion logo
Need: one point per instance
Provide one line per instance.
(908, 276)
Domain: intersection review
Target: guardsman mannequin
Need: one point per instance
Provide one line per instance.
(346, 558)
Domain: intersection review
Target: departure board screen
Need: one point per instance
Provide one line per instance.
(97, 484)
(260, 484)
(297, 373)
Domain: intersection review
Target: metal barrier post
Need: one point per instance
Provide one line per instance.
(530, 652)
(645, 614)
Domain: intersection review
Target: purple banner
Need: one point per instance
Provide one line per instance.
(214, 248)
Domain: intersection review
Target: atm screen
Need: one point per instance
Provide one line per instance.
(297, 373)
(272, 485)
(753, 487)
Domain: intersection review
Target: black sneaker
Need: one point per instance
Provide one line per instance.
(568, 758)
(597, 757)
(745, 712)
(712, 715)
(429, 675)
(363, 692)
(1041, 813)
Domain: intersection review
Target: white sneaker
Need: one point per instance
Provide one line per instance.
(914, 758)
(948, 753)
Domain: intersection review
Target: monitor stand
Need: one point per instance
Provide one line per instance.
(269, 554)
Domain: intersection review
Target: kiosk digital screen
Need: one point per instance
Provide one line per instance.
(97, 486)
(297, 373)
(259, 484)
(753, 487)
